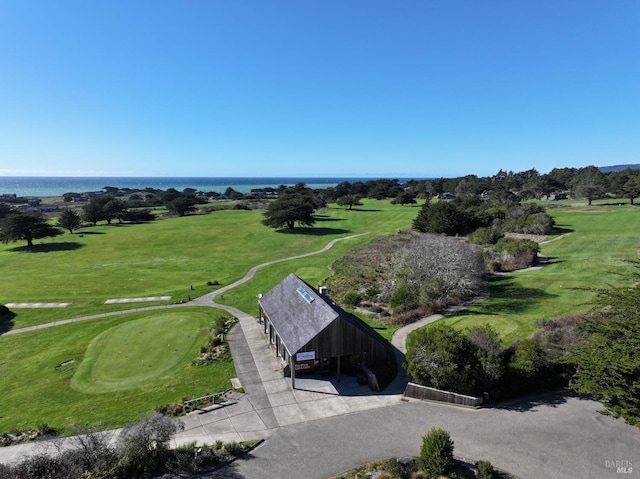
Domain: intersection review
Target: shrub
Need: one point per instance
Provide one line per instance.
(486, 236)
(233, 448)
(436, 453)
(511, 253)
(213, 283)
(485, 470)
(444, 358)
(517, 247)
(403, 299)
(396, 469)
(352, 298)
(143, 446)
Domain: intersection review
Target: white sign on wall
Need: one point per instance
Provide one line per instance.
(306, 356)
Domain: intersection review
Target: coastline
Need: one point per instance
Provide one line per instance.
(48, 187)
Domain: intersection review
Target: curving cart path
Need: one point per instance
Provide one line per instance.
(204, 300)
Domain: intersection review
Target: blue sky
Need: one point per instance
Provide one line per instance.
(360, 88)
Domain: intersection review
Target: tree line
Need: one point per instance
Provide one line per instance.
(589, 183)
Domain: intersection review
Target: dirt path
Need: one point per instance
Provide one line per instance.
(205, 300)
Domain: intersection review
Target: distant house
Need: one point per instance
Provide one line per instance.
(310, 333)
(554, 197)
(445, 196)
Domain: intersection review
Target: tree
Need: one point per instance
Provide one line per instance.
(27, 227)
(103, 208)
(5, 210)
(92, 212)
(68, 197)
(69, 220)
(114, 208)
(441, 217)
(608, 361)
(233, 194)
(349, 200)
(404, 198)
(181, 205)
(631, 188)
(436, 454)
(589, 184)
(294, 205)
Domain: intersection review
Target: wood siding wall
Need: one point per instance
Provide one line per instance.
(342, 338)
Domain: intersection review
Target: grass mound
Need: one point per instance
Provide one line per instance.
(37, 388)
(126, 356)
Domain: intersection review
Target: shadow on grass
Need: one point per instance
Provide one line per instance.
(47, 248)
(533, 402)
(314, 231)
(559, 230)
(82, 232)
(553, 260)
(6, 321)
(508, 297)
(327, 218)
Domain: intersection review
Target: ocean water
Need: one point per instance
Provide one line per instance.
(41, 186)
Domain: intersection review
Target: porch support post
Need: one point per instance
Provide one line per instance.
(292, 365)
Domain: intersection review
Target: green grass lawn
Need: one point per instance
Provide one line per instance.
(593, 248)
(115, 369)
(125, 366)
(110, 379)
(164, 258)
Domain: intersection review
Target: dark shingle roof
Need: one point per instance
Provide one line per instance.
(297, 311)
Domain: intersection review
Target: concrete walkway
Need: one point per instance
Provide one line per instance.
(269, 401)
(399, 338)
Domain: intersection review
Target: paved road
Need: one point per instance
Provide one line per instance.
(560, 437)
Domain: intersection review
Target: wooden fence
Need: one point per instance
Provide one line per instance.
(417, 391)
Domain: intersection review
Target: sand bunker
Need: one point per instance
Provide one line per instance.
(137, 300)
(36, 305)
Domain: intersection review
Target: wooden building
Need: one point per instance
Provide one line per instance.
(310, 332)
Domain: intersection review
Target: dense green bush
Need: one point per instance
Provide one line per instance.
(443, 358)
(352, 298)
(441, 217)
(403, 299)
(537, 224)
(510, 254)
(485, 470)
(517, 247)
(436, 453)
(473, 362)
(485, 235)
